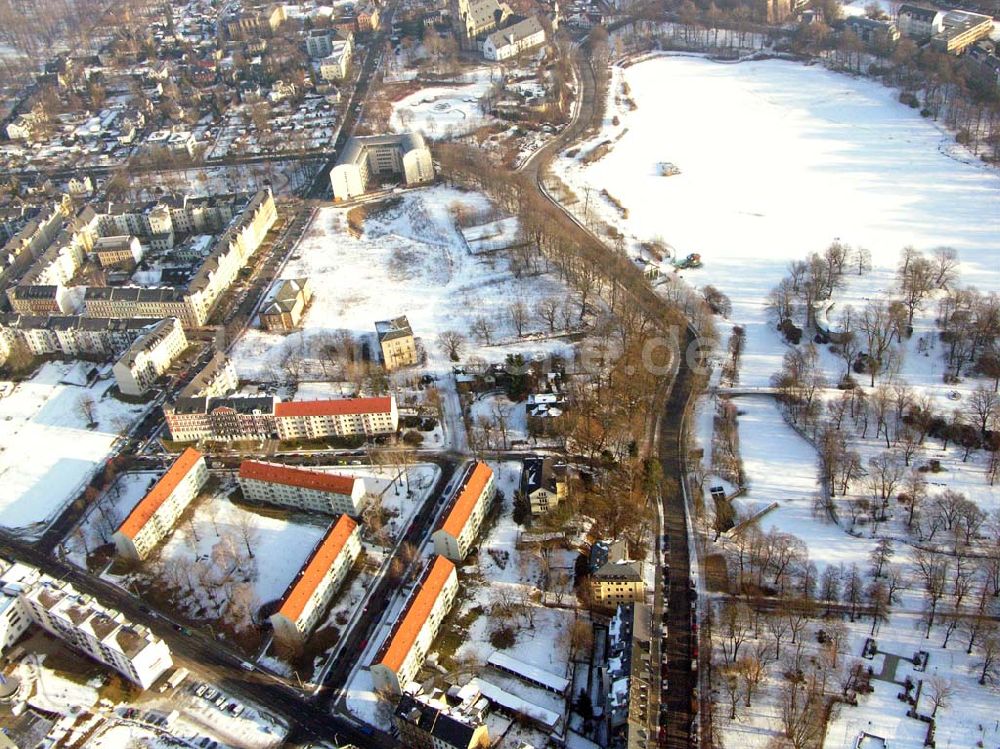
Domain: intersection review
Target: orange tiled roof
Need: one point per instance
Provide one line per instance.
(319, 563)
(300, 477)
(417, 610)
(461, 508)
(143, 511)
(336, 407)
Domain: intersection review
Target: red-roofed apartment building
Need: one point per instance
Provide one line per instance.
(336, 418)
(314, 586)
(465, 514)
(306, 490)
(157, 512)
(403, 652)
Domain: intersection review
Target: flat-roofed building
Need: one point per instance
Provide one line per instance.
(156, 513)
(99, 632)
(321, 576)
(303, 489)
(404, 650)
(121, 251)
(345, 417)
(465, 514)
(149, 357)
(395, 339)
(370, 157)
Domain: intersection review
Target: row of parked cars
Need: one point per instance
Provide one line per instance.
(219, 699)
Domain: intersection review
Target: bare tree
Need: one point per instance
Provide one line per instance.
(547, 308)
(451, 343)
(518, 312)
(87, 408)
(988, 650)
(939, 692)
(247, 528)
(482, 328)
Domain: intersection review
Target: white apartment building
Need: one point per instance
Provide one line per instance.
(15, 618)
(303, 489)
(372, 156)
(465, 514)
(336, 418)
(150, 356)
(157, 512)
(513, 40)
(336, 63)
(103, 634)
(321, 576)
(402, 654)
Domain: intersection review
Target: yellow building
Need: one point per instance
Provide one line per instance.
(395, 339)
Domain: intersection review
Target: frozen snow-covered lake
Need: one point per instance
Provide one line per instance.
(777, 160)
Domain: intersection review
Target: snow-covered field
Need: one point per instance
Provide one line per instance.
(777, 160)
(782, 467)
(411, 260)
(47, 450)
(446, 111)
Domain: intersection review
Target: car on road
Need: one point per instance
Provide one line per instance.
(200, 690)
(247, 665)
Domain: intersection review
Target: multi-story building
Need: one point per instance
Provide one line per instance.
(919, 23)
(231, 254)
(630, 679)
(121, 251)
(395, 339)
(373, 156)
(319, 43)
(542, 485)
(321, 576)
(334, 66)
(465, 514)
(223, 419)
(368, 17)
(303, 489)
(69, 335)
(482, 16)
(138, 301)
(346, 417)
(216, 379)
(266, 417)
(513, 40)
(614, 578)
(402, 654)
(430, 722)
(101, 633)
(870, 30)
(191, 304)
(285, 304)
(40, 300)
(960, 30)
(156, 513)
(15, 579)
(149, 356)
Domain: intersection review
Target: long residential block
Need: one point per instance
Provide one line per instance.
(402, 654)
(149, 357)
(313, 588)
(27, 596)
(301, 488)
(157, 512)
(465, 514)
(266, 417)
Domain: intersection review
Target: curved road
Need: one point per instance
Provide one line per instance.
(679, 699)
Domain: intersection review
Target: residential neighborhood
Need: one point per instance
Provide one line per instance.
(499, 374)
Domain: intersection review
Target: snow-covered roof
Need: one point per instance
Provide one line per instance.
(529, 672)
